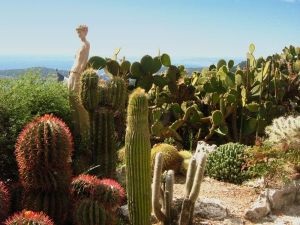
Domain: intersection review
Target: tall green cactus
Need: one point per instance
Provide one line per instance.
(105, 144)
(103, 100)
(137, 145)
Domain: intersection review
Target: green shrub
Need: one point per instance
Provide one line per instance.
(22, 99)
(226, 163)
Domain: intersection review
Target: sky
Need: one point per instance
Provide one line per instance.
(182, 28)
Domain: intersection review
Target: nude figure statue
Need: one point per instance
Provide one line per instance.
(79, 114)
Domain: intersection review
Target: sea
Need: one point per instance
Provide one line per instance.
(65, 62)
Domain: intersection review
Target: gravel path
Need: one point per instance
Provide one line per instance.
(237, 199)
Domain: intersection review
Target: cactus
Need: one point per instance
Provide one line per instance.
(172, 159)
(286, 131)
(95, 199)
(43, 153)
(29, 217)
(103, 101)
(186, 155)
(226, 163)
(89, 212)
(164, 192)
(55, 204)
(105, 145)
(138, 168)
(4, 201)
(163, 212)
(144, 71)
(194, 179)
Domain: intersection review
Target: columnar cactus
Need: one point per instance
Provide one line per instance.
(105, 144)
(163, 212)
(163, 193)
(194, 179)
(138, 168)
(4, 201)
(103, 100)
(29, 217)
(43, 153)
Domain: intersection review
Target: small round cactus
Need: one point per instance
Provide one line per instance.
(29, 217)
(172, 159)
(4, 201)
(226, 163)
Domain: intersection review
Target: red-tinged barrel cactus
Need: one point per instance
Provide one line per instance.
(43, 153)
(29, 217)
(4, 201)
(115, 187)
(92, 196)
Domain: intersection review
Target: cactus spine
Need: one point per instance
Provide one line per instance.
(137, 145)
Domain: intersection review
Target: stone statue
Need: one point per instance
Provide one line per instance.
(79, 114)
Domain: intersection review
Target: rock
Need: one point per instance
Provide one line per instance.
(259, 209)
(255, 183)
(210, 208)
(282, 197)
(233, 221)
(203, 147)
(124, 214)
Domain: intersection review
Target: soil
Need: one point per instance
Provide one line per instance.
(237, 198)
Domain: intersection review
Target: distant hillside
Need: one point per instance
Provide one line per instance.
(43, 70)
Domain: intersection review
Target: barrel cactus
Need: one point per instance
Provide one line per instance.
(89, 212)
(43, 153)
(4, 201)
(226, 163)
(172, 158)
(95, 200)
(29, 217)
(138, 156)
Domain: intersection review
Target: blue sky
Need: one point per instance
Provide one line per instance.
(182, 28)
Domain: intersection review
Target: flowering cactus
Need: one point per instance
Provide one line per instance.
(29, 217)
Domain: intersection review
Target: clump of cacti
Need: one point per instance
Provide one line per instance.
(95, 199)
(138, 159)
(286, 131)
(226, 163)
(43, 153)
(103, 101)
(172, 158)
(29, 217)
(4, 201)
(162, 192)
